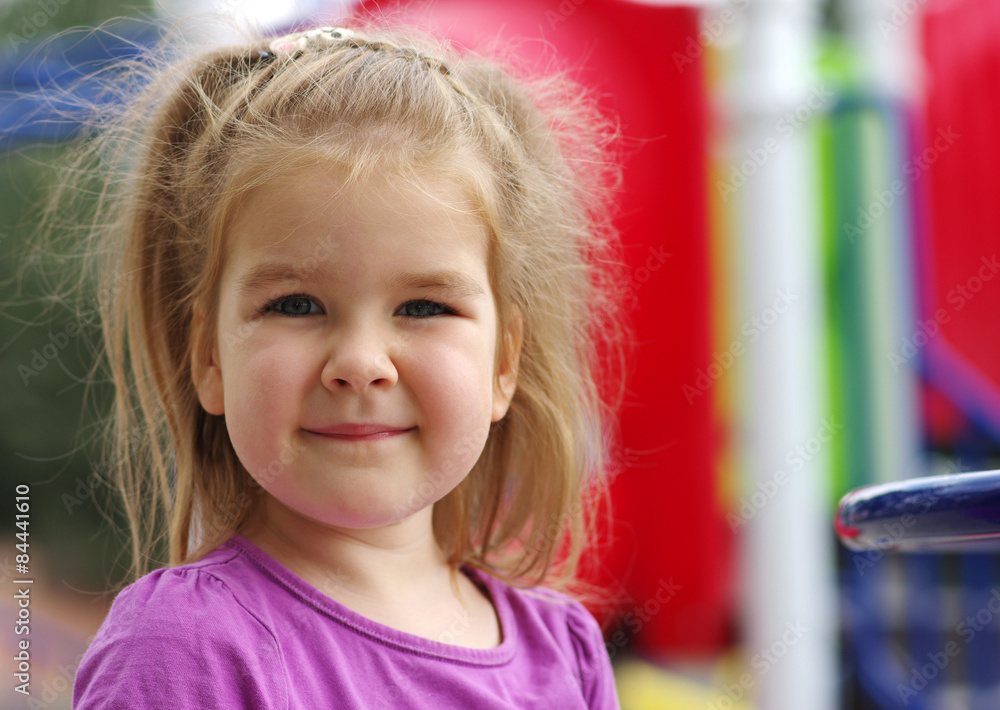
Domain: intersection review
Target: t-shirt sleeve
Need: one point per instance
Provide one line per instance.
(180, 640)
(596, 677)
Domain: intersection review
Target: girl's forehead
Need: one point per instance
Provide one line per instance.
(321, 210)
(321, 188)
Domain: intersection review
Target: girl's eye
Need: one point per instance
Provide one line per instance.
(424, 309)
(293, 306)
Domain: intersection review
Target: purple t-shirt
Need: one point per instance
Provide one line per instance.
(237, 629)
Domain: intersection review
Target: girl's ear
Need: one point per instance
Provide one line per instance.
(205, 369)
(506, 376)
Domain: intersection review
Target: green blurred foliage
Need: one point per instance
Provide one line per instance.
(24, 22)
(47, 435)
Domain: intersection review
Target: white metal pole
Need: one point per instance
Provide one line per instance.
(789, 593)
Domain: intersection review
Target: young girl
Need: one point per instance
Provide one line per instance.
(356, 290)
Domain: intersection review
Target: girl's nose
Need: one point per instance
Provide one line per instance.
(358, 360)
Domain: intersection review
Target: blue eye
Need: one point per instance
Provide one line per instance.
(424, 309)
(293, 306)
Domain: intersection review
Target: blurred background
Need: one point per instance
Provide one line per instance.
(812, 253)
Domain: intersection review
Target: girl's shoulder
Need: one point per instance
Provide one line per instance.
(539, 610)
(544, 618)
(549, 607)
(189, 628)
(213, 585)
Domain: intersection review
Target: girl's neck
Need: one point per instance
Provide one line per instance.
(372, 564)
(396, 575)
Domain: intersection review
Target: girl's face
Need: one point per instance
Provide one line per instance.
(355, 344)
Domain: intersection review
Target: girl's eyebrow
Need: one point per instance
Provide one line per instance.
(455, 283)
(268, 274)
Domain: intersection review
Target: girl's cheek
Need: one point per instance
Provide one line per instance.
(461, 383)
(275, 369)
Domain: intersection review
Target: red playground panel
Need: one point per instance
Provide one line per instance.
(960, 224)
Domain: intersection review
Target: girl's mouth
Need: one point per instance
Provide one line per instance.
(361, 431)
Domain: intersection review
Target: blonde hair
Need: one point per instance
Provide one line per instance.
(535, 157)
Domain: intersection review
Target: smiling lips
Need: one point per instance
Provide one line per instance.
(361, 432)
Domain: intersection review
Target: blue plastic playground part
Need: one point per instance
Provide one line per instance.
(946, 513)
